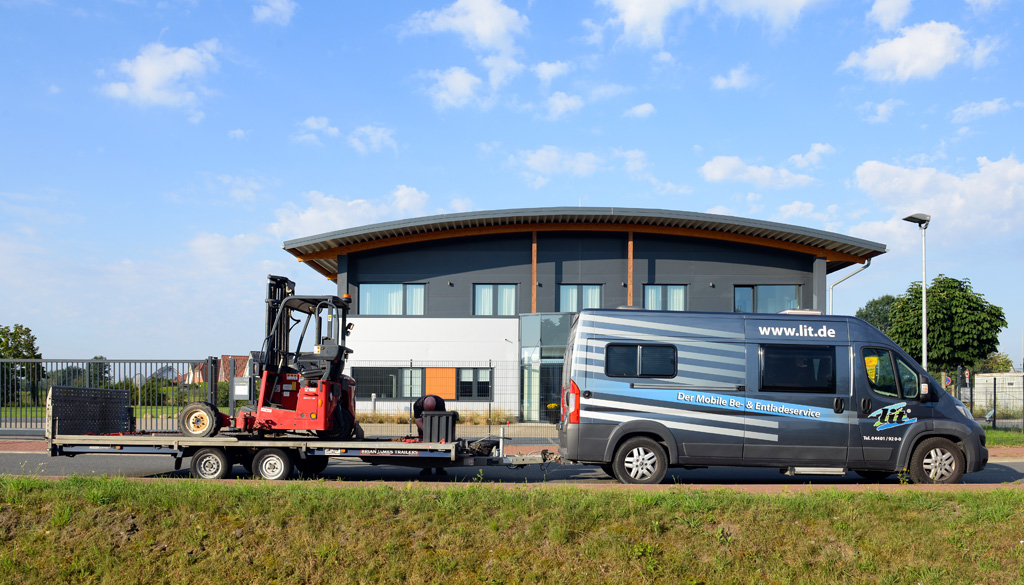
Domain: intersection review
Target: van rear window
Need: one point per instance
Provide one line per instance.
(635, 360)
(798, 368)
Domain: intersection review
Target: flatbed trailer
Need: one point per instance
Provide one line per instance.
(99, 422)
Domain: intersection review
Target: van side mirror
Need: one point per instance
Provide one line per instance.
(926, 395)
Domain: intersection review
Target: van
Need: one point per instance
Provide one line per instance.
(643, 391)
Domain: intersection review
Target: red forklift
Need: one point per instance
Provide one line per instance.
(301, 389)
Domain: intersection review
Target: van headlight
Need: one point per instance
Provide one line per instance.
(962, 408)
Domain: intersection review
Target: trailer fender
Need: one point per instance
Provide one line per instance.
(649, 428)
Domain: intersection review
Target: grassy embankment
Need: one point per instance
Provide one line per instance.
(98, 530)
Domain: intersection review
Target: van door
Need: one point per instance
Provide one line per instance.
(799, 409)
(888, 405)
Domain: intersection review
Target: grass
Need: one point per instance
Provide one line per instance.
(998, 437)
(112, 530)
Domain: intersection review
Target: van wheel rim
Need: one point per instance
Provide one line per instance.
(209, 466)
(641, 463)
(939, 464)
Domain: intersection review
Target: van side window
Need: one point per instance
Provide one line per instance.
(634, 360)
(908, 379)
(798, 368)
(881, 377)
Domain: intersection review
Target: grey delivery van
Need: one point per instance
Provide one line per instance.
(643, 391)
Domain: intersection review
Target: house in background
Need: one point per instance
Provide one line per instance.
(476, 307)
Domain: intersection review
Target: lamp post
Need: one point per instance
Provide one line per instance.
(922, 220)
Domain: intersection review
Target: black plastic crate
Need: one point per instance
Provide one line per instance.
(439, 426)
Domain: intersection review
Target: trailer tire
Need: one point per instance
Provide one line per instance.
(312, 465)
(210, 463)
(273, 464)
(198, 419)
(640, 460)
(937, 460)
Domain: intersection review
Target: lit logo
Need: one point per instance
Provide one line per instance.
(894, 415)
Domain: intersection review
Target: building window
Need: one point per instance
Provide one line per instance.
(391, 299)
(798, 368)
(633, 360)
(766, 298)
(665, 297)
(494, 299)
(474, 384)
(388, 383)
(574, 297)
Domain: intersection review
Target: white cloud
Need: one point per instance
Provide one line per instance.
(461, 205)
(804, 209)
(543, 163)
(485, 25)
(974, 110)
(548, 71)
(274, 11)
(636, 160)
(720, 210)
(813, 156)
(237, 134)
(608, 91)
(313, 128)
(372, 138)
(879, 113)
(166, 76)
(240, 188)
(640, 111)
(454, 88)
(778, 14)
(325, 213)
(990, 200)
(983, 5)
(560, 103)
(889, 14)
(636, 165)
(921, 51)
(731, 168)
(53, 89)
(643, 21)
(738, 79)
(663, 58)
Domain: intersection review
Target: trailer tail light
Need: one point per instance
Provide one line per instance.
(571, 411)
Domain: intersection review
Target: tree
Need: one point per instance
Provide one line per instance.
(995, 363)
(99, 373)
(963, 327)
(876, 312)
(18, 343)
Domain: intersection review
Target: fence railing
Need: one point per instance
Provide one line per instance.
(995, 400)
(158, 388)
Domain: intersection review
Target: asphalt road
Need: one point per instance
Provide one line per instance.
(998, 472)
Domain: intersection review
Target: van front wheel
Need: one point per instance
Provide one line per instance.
(640, 460)
(937, 460)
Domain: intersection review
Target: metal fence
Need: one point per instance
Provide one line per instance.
(488, 395)
(995, 399)
(158, 388)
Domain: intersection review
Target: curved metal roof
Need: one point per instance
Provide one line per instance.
(321, 251)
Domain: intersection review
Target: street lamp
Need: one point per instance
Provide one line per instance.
(922, 220)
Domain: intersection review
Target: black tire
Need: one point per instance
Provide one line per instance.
(273, 464)
(937, 460)
(210, 463)
(341, 429)
(198, 419)
(640, 460)
(873, 474)
(312, 465)
(608, 468)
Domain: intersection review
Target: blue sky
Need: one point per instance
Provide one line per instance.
(156, 154)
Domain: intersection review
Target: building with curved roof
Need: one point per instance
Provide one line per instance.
(467, 291)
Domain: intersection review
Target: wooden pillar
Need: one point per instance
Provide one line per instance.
(533, 271)
(629, 271)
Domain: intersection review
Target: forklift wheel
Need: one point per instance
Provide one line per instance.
(198, 419)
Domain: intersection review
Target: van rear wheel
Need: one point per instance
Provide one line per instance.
(640, 460)
(937, 460)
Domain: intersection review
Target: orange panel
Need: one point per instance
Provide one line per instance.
(441, 382)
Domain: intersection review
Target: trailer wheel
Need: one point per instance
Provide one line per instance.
(198, 419)
(210, 463)
(273, 464)
(937, 460)
(312, 465)
(640, 460)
